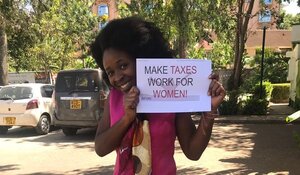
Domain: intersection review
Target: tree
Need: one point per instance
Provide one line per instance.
(242, 19)
(275, 66)
(184, 22)
(3, 53)
(298, 1)
(287, 20)
(20, 39)
(6, 7)
(65, 30)
(13, 21)
(43, 35)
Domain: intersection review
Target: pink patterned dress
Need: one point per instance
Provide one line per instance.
(163, 135)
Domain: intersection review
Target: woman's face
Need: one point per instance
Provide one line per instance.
(120, 69)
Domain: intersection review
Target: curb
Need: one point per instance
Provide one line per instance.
(252, 119)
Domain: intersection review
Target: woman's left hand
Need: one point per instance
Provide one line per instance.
(216, 91)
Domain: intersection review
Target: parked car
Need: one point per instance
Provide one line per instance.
(79, 97)
(28, 104)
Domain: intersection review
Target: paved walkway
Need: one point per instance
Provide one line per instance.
(277, 112)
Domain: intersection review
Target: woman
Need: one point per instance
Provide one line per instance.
(115, 50)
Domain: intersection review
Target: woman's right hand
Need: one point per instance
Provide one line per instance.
(130, 101)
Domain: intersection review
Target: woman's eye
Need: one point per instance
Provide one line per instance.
(123, 66)
(109, 74)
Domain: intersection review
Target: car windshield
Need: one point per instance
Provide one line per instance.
(76, 82)
(15, 93)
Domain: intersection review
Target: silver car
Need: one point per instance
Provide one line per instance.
(28, 104)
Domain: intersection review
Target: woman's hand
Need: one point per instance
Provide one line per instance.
(216, 91)
(130, 101)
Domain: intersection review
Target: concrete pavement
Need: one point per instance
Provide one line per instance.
(276, 114)
(235, 148)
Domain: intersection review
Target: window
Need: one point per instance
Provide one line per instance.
(15, 93)
(267, 2)
(47, 91)
(79, 81)
(265, 16)
(102, 10)
(103, 13)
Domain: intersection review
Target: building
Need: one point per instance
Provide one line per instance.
(278, 40)
(105, 7)
(294, 67)
(106, 10)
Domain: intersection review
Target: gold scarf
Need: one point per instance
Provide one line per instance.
(141, 148)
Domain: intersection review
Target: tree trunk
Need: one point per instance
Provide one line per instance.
(242, 27)
(3, 57)
(240, 40)
(237, 51)
(183, 26)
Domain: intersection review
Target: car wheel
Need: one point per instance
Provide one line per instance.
(3, 129)
(43, 127)
(69, 131)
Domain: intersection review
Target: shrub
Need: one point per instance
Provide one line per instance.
(266, 90)
(247, 103)
(229, 106)
(280, 92)
(275, 65)
(255, 106)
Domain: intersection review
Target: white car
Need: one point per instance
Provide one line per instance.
(28, 104)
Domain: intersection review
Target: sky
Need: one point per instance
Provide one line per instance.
(291, 8)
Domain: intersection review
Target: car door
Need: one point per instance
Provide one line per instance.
(46, 94)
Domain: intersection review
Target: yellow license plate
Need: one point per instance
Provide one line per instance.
(75, 104)
(10, 120)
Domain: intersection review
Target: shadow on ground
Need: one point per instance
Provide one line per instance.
(273, 149)
(104, 170)
(83, 139)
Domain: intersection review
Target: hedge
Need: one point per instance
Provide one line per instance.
(280, 93)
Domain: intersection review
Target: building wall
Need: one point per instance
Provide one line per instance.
(294, 63)
(112, 8)
(292, 74)
(278, 40)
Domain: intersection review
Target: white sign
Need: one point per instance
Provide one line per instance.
(173, 85)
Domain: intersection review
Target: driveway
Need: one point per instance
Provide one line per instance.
(233, 149)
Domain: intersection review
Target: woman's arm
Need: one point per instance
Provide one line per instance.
(109, 138)
(194, 140)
